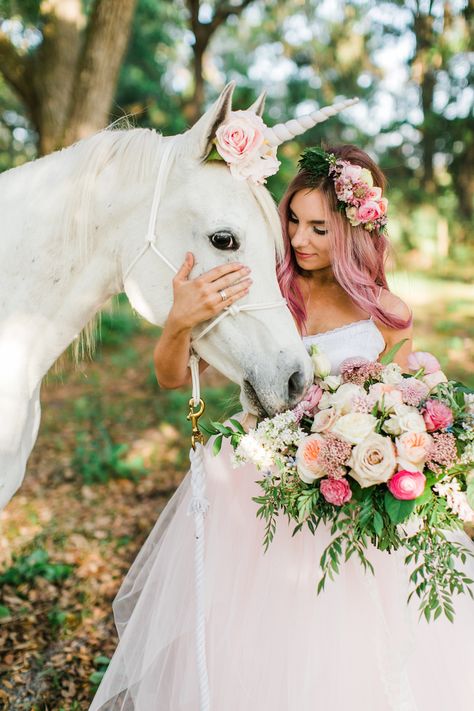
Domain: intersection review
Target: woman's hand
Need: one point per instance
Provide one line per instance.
(197, 300)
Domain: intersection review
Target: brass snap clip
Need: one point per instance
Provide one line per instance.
(193, 417)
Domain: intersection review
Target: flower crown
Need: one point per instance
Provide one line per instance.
(240, 142)
(357, 196)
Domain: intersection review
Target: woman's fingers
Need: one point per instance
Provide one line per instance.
(230, 279)
(185, 269)
(232, 293)
(234, 268)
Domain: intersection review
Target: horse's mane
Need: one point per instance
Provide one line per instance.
(134, 155)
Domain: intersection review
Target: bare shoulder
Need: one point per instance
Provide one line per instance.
(394, 305)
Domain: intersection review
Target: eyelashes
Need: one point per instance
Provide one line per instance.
(292, 218)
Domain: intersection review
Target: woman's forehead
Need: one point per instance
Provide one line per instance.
(309, 203)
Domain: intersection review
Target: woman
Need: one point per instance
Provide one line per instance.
(272, 643)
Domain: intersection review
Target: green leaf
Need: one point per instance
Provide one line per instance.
(470, 494)
(4, 611)
(226, 431)
(216, 446)
(388, 357)
(398, 510)
(237, 425)
(378, 523)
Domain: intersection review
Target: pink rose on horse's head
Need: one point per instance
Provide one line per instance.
(239, 139)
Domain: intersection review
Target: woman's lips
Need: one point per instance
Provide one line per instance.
(303, 255)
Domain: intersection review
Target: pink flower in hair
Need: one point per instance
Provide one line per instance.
(375, 193)
(350, 171)
(369, 211)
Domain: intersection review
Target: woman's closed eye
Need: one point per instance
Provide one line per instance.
(292, 218)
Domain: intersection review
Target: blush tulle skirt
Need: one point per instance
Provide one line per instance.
(272, 643)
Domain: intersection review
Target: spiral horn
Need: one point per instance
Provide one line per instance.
(282, 132)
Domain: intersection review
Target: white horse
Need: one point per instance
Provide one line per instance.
(72, 224)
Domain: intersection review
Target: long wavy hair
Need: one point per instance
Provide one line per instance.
(357, 256)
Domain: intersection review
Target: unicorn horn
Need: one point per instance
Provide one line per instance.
(282, 132)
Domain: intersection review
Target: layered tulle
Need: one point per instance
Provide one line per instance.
(272, 643)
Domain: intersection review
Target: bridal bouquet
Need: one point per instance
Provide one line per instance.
(385, 457)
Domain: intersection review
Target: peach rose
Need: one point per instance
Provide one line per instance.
(413, 447)
(307, 456)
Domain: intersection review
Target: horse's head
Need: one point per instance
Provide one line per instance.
(219, 218)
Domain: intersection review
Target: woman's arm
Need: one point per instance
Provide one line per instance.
(194, 301)
(394, 305)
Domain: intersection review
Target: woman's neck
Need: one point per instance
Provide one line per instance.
(321, 278)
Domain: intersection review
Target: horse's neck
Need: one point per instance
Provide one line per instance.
(48, 291)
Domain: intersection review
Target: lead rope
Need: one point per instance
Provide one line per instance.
(199, 504)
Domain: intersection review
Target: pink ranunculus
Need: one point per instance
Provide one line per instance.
(336, 491)
(369, 211)
(437, 415)
(240, 138)
(421, 359)
(407, 485)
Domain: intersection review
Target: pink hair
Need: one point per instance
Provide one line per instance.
(357, 256)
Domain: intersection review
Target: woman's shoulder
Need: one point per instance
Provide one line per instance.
(394, 304)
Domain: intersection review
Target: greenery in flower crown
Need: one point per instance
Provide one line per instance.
(316, 161)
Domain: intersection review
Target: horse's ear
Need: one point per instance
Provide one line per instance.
(199, 137)
(259, 105)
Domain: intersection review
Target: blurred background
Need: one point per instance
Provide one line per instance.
(112, 445)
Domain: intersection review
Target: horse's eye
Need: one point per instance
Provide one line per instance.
(224, 240)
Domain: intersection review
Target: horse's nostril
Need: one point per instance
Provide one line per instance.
(296, 387)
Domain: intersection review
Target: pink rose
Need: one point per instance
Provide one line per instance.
(240, 137)
(406, 485)
(336, 491)
(437, 415)
(375, 194)
(434, 379)
(351, 172)
(413, 447)
(310, 402)
(369, 211)
(421, 359)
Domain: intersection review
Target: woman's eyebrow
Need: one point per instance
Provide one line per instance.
(311, 222)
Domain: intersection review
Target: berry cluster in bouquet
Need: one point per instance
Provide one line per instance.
(386, 458)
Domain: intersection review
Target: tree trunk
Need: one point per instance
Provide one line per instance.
(53, 69)
(105, 45)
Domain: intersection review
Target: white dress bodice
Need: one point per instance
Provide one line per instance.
(359, 338)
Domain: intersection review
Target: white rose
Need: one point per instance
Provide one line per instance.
(354, 427)
(344, 395)
(331, 382)
(321, 363)
(324, 419)
(384, 395)
(326, 400)
(469, 402)
(373, 460)
(434, 379)
(392, 374)
(405, 419)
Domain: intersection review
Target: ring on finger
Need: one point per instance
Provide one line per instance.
(222, 293)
